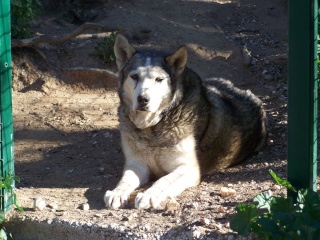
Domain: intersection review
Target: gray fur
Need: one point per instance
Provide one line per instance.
(199, 126)
(228, 123)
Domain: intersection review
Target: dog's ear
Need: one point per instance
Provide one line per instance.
(177, 60)
(122, 50)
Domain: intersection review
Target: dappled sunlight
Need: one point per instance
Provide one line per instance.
(65, 105)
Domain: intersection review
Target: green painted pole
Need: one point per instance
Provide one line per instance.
(6, 141)
(302, 94)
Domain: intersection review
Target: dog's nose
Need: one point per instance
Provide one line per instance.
(143, 100)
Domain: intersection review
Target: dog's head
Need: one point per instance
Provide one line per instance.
(147, 80)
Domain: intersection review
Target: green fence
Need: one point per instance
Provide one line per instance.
(6, 141)
(303, 93)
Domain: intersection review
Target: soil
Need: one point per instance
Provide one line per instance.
(67, 143)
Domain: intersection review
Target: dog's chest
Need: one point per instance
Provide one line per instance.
(162, 160)
(157, 159)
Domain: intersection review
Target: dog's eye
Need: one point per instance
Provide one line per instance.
(135, 77)
(158, 79)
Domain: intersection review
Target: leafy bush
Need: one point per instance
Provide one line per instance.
(105, 49)
(23, 12)
(277, 217)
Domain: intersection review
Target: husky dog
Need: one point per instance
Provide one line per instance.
(176, 127)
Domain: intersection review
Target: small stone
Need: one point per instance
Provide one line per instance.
(85, 207)
(275, 187)
(127, 218)
(176, 221)
(172, 207)
(95, 134)
(268, 77)
(217, 225)
(270, 142)
(111, 214)
(53, 206)
(227, 192)
(196, 234)
(195, 205)
(254, 61)
(147, 227)
(61, 209)
(99, 215)
(59, 214)
(227, 225)
(205, 221)
(39, 204)
(246, 54)
(107, 135)
(221, 210)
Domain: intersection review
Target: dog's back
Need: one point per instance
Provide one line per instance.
(236, 128)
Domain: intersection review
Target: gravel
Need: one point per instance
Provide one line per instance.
(33, 228)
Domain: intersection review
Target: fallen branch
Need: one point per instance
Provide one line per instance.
(60, 39)
(96, 70)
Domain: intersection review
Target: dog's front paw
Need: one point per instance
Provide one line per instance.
(115, 199)
(147, 199)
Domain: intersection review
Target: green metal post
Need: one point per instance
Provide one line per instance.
(302, 94)
(6, 126)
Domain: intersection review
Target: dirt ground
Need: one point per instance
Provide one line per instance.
(67, 144)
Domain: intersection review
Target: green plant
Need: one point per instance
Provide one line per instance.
(6, 184)
(23, 12)
(105, 49)
(277, 217)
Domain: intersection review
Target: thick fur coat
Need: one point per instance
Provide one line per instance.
(176, 127)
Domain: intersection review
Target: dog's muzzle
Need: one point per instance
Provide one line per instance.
(143, 102)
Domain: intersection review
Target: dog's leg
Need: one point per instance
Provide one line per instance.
(170, 185)
(134, 175)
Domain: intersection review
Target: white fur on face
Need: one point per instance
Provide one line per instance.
(147, 85)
